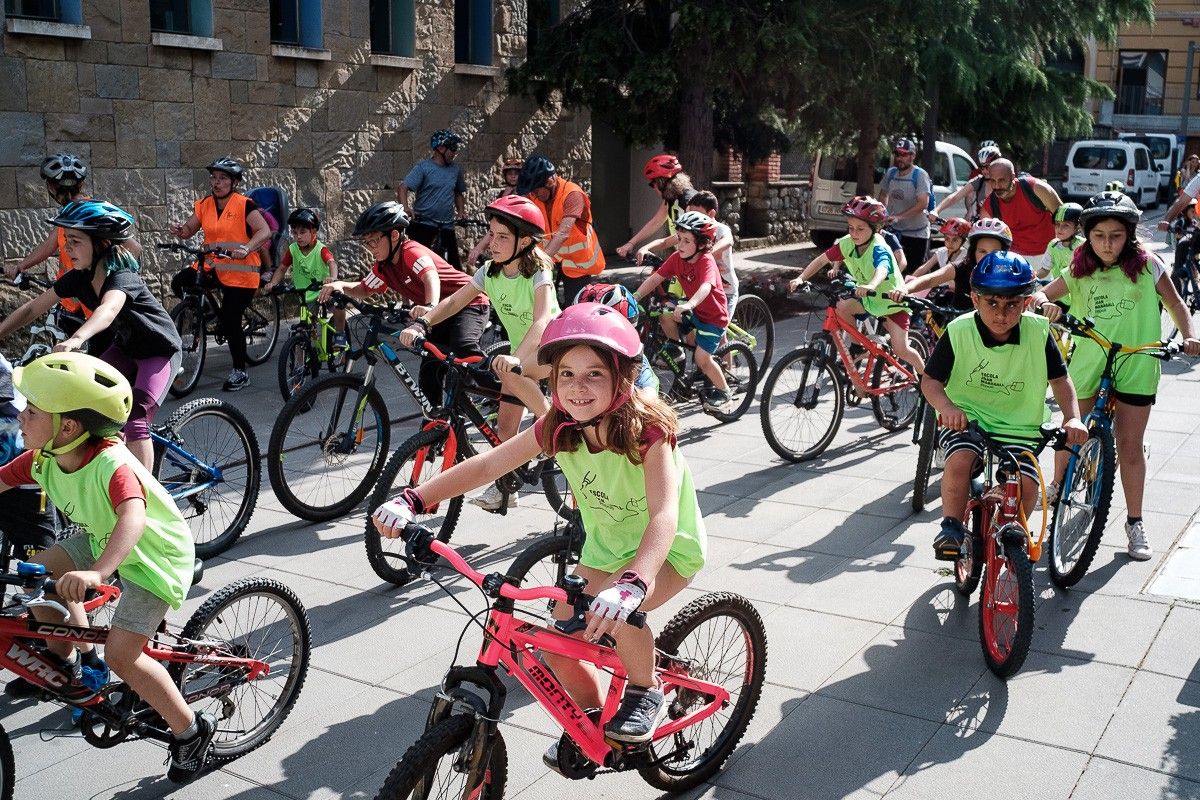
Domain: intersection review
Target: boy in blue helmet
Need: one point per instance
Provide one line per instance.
(992, 367)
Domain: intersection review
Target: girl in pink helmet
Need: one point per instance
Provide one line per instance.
(617, 448)
(665, 175)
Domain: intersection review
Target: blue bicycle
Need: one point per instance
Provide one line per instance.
(1087, 486)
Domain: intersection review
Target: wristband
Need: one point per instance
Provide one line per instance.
(414, 500)
(424, 323)
(629, 576)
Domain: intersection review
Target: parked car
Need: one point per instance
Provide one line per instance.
(1167, 152)
(1093, 163)
(834, 180)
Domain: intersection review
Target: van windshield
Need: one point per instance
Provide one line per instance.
(846, 169)
(1160, 146)
(1099, 157)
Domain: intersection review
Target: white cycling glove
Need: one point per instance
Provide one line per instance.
(621, 599)
(399, 512)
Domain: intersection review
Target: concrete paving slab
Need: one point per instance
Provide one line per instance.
(1081, 625)
(1111, 780)
(770, 574)
(1157, 726)
(807, 647)
(866, 590)
(1176, 648)
(760, 520)
(838, 533)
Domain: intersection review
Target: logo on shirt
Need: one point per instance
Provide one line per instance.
(991, 381)
(599, 500)
(1105, 307)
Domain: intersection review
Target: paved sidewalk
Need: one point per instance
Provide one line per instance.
(876, 683)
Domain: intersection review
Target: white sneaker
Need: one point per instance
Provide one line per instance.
(1139, 545)
(1052, 491)
(490, 500)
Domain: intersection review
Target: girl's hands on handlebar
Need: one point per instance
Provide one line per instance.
(504, 363)
(795, 283)
(68, 345)
(1077, 432)
(899, 294)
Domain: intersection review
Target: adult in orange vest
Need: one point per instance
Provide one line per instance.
(65, 175)
(573, 243)
(229, 220)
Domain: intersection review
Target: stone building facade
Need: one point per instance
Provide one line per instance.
(331, 120)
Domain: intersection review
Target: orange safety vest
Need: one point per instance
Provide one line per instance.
(64, 264)
(580, 253)
(229, 230)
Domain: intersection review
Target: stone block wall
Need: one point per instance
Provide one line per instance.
(776, 211)
(337, 129)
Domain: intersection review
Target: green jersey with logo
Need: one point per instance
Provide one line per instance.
(1002, 388)
(611, 492)
(862, 266)
(1125, 311)
(308, 269)
(1058, 260)
(513, 299)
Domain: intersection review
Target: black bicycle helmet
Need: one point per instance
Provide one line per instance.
(229, 165)
(96, 218)
(305, 218)
(382, 217)
(536, 170)
(1110, 205)
(65, 169)
(1068, 212)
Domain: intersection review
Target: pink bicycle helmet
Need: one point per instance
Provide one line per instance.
(955, 226)
(866, 208)
(593, 324)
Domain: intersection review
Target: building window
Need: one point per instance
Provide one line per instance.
(393, 27)
(186, 17)
(297, 22)
(1140, 82)
(543, 15)
(68, 11)
(473, 32)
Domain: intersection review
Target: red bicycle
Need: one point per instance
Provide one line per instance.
(242, 657)
(711, 660)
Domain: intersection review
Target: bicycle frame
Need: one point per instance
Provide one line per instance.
(187, 463)
(835, 324)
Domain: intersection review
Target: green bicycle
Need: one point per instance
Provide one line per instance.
(309, 348)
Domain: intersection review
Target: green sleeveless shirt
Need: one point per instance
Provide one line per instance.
(862, 269)
(513, 300)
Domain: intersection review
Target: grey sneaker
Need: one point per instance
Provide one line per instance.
(490, 499)
(189, 756)
(1139, 545)
(640, 713)
(1052, 492)
(238, 379)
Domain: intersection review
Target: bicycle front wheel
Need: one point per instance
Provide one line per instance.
(438, 766)
(260, 321)
(253, 618)
(741, 374)
(753, 316)
(328, 446)
(297, 363)
(544, 563)
(1006, 606)
(189, 321)
(557, 490)
(416, 461)
(722, 640)
(926, 445)
(969, 565)
(1082, 509)
(209, 462)
(896, 409)
(802, 405)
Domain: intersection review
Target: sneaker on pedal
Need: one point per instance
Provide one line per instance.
(238, 379)
(947, 545)
(550, 757)
(1139, 546)
(189, 756)
(640, 713)
(1051, 496)
(491, 499)
(718, 399)
(94, 679)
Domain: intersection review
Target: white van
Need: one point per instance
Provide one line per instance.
(1167, 153)
(1093, 163)
(834, 179)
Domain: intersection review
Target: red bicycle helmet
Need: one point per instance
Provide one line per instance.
(520, 212)
(866, 208)
(955, 226)
(662, 166)
(590, 323)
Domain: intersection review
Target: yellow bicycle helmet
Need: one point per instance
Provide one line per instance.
(66, 383)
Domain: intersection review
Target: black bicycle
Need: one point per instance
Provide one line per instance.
(196, 318)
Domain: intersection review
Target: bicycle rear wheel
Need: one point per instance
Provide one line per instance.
(802, 405)
(437, 766)
(741, 374)
(895, 410)
(926, 445)
(1006, 605)
(753, 315)
(252, 618)
(416, 461)
(1082, 509)
(189, 321)
(297, 363)
(260, 321)
(8, 767)
(721, 639)
(328, 446)
(215, 473)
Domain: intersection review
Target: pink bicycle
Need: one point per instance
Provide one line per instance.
(711, 660)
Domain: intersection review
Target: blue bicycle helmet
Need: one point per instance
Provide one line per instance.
(1003, 273)
(444, 137)
(98, 219)
(613, 295)
(536, 170)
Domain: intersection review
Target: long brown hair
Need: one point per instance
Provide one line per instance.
(1132, 260)
(626, 426)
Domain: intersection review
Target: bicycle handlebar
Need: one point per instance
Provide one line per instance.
(421, 544)
(480, 364)
(24, 279)
(1164, 351)
(38, 585)
(202, 251)
(1050, 434)
(470, 223)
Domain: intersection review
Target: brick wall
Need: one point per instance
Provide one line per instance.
(338, 134)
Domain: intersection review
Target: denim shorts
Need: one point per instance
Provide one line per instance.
(708, 337)
(138, 610)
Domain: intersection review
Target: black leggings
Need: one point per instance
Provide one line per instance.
(573, 286)
(458, 335)
(234, 301)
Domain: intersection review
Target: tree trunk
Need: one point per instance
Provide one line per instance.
(868, 144)
(696, 117)
(929, 131)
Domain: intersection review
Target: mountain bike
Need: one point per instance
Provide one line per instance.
(678, 384)
(310, 348)
(242, 656)
(804, 397)
(206, 456)
(710, 658)
(196, 317)
(929, 456)
(41, 337)
(442, 442)
(1000, 548)
(1087, 486)
(1187, 283)
(442, 243)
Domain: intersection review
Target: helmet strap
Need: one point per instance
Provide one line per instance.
(50, 452)
(517, 255)
(394, 247)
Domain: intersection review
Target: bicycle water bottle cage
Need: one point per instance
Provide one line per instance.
(28, 569)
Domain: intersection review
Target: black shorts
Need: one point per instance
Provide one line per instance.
(1129, 399)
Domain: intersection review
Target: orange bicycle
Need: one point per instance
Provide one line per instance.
(804, 397)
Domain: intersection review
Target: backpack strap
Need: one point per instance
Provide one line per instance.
(1026, 184)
